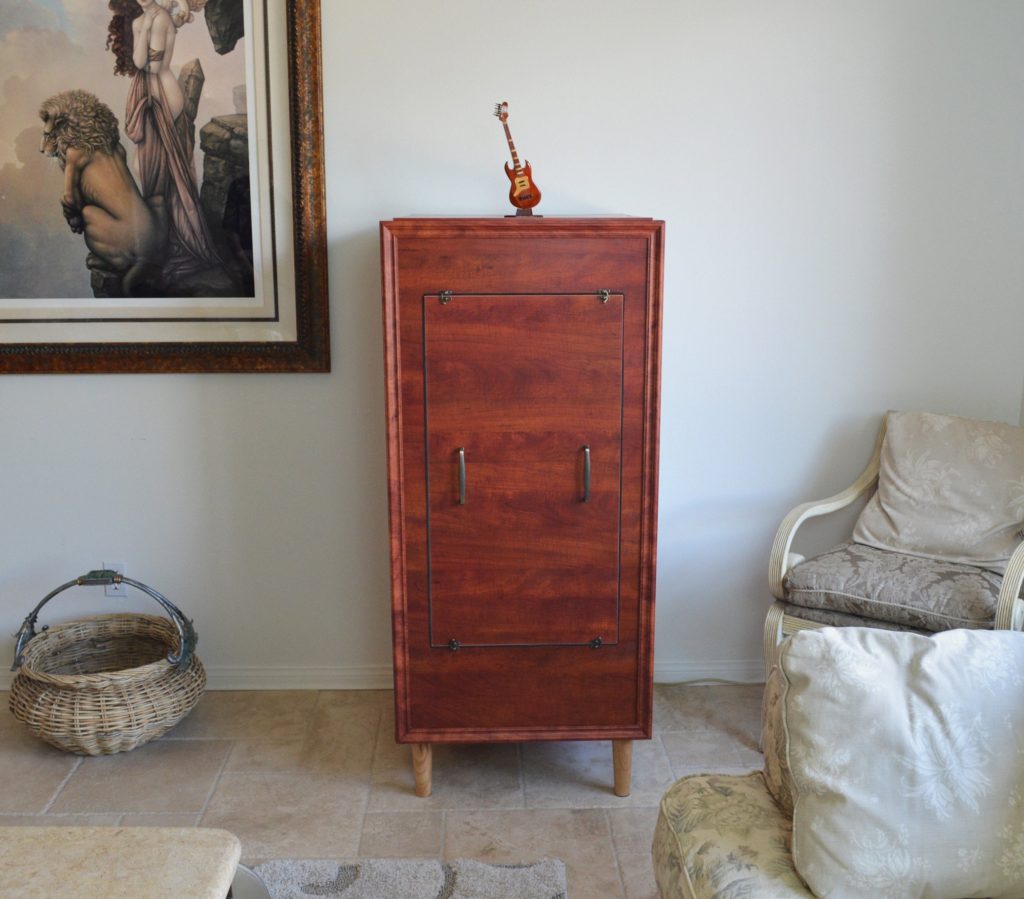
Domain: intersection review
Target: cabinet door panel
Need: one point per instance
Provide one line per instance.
(528, 387)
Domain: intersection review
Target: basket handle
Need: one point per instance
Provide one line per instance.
(187, 638)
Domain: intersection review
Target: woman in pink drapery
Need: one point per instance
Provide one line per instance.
(155, 100)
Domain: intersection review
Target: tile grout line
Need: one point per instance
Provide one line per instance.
(216, 781)
(522, 773)
(369, 784)
(668, 758)
(308, 729)
(62, 784)
(615, 850)
(234, 741)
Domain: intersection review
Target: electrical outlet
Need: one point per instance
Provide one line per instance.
(115, 589)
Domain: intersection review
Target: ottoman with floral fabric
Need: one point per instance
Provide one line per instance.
(894, 767)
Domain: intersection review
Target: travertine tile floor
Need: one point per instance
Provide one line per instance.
(318, 775)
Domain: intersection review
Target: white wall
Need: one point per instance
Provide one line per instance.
(843, 189)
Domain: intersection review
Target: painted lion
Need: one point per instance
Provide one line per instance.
(123, 232)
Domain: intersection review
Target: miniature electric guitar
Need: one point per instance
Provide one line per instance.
(523, 194)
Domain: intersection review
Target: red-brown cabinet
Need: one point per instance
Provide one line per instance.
(523, 363)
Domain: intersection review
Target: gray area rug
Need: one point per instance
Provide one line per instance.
(407, 878)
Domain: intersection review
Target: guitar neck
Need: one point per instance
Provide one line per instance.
(511, 146)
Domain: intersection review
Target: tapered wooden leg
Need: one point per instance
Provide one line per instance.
(421, 768)
(622, 762)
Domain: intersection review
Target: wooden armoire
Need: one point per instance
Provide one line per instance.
(523, 365)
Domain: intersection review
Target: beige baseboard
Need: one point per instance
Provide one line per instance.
(713, 671)
(379, 677)
(349, 677)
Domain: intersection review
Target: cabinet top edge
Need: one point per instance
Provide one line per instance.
(524, 221)
(632, 226)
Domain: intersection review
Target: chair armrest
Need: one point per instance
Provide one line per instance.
(1009, 591)
(780, 561)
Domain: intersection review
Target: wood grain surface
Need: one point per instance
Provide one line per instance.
(522, 365)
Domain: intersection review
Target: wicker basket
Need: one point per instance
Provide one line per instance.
(109, 683)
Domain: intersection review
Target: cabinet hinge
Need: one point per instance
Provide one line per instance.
(604, 295)
(446, 297)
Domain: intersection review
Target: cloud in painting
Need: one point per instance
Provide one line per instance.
(36, 245)
(26, 14)
(39, 256)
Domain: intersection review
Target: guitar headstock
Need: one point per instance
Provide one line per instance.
(501, 110)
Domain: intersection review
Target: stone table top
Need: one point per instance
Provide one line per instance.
(117, 862)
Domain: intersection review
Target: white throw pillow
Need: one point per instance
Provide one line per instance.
(948, 488)
(907, 761)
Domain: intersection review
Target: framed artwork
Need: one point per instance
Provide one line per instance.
(162, 187)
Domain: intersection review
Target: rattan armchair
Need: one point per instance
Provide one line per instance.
(786, 615)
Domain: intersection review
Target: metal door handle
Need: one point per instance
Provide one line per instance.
(586, 474)
(462, 476)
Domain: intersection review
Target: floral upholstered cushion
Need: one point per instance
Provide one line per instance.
(723, 836)
(828, 618)
(906, 755)
(777, 775)
(948, 488)
(906, 590)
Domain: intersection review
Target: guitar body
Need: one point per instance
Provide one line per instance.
(523, 194)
